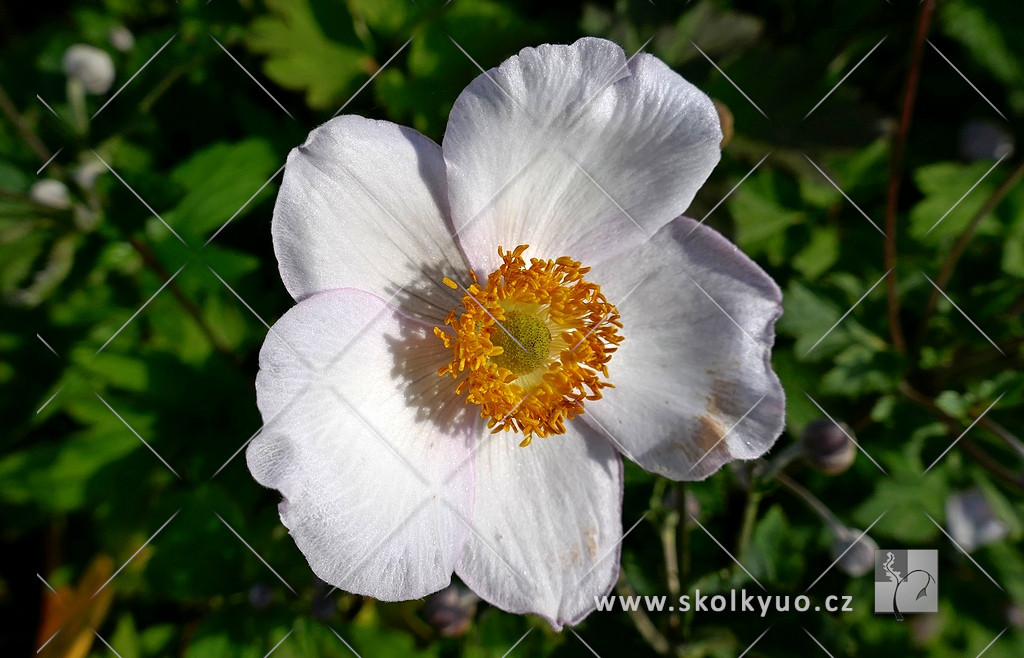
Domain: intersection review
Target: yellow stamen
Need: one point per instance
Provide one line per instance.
(534, 343)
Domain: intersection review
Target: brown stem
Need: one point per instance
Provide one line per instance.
(961, 244)
(896, 175)
(150, 259)
(982, 458)
(21, 126)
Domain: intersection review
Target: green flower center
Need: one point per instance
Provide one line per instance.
(525, 340)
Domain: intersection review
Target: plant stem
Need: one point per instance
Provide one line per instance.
(643, 623)
(749, 518)
(961, 244)
(896, 175)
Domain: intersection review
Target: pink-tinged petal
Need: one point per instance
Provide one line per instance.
(694, 387)
(363, 205)
(547, 526)
(362, 439)
(575, 151)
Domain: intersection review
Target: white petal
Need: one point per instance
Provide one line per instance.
(547, 525)
(363, 205)
(575, 151)
(694, 387)
(362, 438)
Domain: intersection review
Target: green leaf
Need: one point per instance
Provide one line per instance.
(302, 55)
(218, 180)
(944, 185)
(760, 219)
(820, 254)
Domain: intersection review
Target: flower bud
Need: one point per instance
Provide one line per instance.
(860, 558)
(121, 38)
(984, 140)
(86, 173)
(972, 521)
(827, 446)
(51, 193)
(90, 66)
(451, 610)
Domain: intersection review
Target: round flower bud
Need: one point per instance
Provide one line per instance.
(860, 558)
(827, 446)
(86, 173)
(121, 38)
(984, 140)
(451, 610)
(51, 193)
(90, 66)
(972, 521)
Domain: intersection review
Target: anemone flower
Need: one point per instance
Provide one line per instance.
(483, 329)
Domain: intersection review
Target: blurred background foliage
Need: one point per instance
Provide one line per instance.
(160, 215)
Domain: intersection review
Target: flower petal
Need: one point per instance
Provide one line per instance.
(363, 205)
(362, 437)
(694, 387)
(575, 151)
(547, 526)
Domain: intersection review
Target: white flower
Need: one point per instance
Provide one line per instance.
(391, 476)
(121, 38)
(90, 66)
(50, 192)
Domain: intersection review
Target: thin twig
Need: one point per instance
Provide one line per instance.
(149, 258)
(21, 126)
(961, 244)
(896, 175)
(643, 623)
